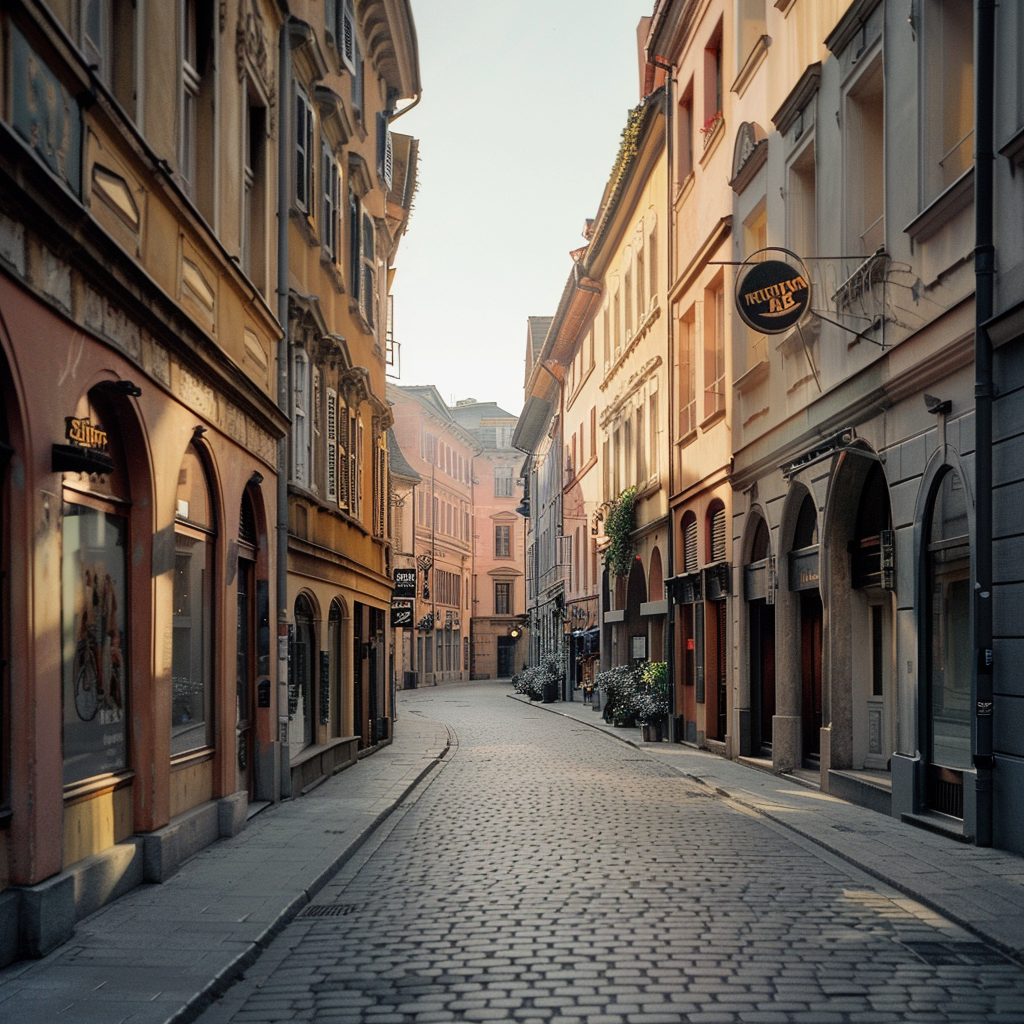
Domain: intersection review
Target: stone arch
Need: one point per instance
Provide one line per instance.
(636, 595)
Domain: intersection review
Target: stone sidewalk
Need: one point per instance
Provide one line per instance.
(161, 953)
(980, 889)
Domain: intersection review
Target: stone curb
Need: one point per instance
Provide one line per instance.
(744, 799)
(223, 980)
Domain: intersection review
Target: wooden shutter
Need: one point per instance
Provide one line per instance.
(347, 31)
(690, 546)
(718, 536)
(331, 467)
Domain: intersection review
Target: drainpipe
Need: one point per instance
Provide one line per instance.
(670, 630)
(284, 109)
(984, 270)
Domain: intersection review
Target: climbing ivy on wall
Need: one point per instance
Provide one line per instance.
(619, 524)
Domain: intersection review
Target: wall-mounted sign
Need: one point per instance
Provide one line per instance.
(82, 433)
(401, 615)
(405, 583)
(772, 295)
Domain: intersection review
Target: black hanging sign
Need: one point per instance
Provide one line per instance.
(772, 295)
(405, 583)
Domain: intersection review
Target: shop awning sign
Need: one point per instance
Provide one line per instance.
(773, 291)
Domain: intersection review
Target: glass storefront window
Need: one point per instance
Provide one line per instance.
(949, 556)
(192, 653)
(94, 600)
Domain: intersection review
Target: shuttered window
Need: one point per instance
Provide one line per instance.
(717, 527)
(690, 544)
(331, 457)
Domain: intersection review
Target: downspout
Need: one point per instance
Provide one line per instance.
(283, 367)
(670, 640)
(984, 270)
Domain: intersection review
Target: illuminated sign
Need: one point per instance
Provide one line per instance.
(83, 434)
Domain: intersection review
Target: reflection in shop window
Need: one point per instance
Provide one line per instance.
(93, 583)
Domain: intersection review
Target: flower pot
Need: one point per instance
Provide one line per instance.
(550, 692)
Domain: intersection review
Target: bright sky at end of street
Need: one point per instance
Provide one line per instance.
(523, 106)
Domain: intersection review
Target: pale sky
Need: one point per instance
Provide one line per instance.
(519, 125)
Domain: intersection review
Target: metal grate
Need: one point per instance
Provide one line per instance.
(969, 954)
(330, 909)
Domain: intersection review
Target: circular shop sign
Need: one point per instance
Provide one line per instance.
(772, 295)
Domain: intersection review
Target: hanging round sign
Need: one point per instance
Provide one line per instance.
(772, 295)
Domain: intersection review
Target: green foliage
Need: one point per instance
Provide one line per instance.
(619, 524)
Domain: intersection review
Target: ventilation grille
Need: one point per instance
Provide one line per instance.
(330, 909)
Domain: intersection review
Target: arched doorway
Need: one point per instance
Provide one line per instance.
(301, 687)
(760, 594)
(636, 628)
(804, 578)
(690, 598)
(948, 697)
(872, 583)
(246, 660)
(332, 715)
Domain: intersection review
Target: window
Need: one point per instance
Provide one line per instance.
(503, 481)
(617, 317)
(316, 446)
(948, 87)
(713, 79)
(303, 151)
(714, 350)
(300, 417)
(716, 533)
(593, 432)
(684, 137)
(347, 33)
(302, 672)
(750, 26)
(503, 598)
(652, 265)
(192, 652)
(755, 238)
(330, 190)
(502, 542)
(380, 487)
(865, 194)
(655, 435)
(801, 205)
(331, 447)
(607, 334)
(385, 152)
(368, 259)
(641, 456)
(344, 455)
(628, 289)
(254, 197)
(687, 374)
(96, 37)
(191, 82)
(689, 542)
(641, 285)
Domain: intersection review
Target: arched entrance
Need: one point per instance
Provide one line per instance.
(656, 592)
(948, 628)
(716, 714)
(636, 628)
(871, 571)
(760, 595)
(301, 688)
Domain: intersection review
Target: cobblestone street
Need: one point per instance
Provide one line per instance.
(551, 873)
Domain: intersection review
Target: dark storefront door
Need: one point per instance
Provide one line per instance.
(810, 657)
(244, 702)
(762, 672)
(506, 657)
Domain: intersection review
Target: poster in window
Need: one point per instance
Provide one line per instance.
(94, 572)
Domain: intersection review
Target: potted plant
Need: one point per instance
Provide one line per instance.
(650, 701)
(617, 687)
(529, 682)
(551, 676)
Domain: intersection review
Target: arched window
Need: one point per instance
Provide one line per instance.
(331, 715)
(759, 547)
(94, 604)
(192, 682)
(806, 534)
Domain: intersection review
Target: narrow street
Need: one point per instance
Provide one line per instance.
(547, 872)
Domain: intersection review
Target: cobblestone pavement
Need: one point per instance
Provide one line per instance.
(549, 873)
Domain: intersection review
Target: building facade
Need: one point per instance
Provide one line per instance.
(497, 640)
(441, 452)
(351, 191)
(140, 447)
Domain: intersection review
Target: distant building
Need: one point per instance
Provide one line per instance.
(498, 645)
(440, 451)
